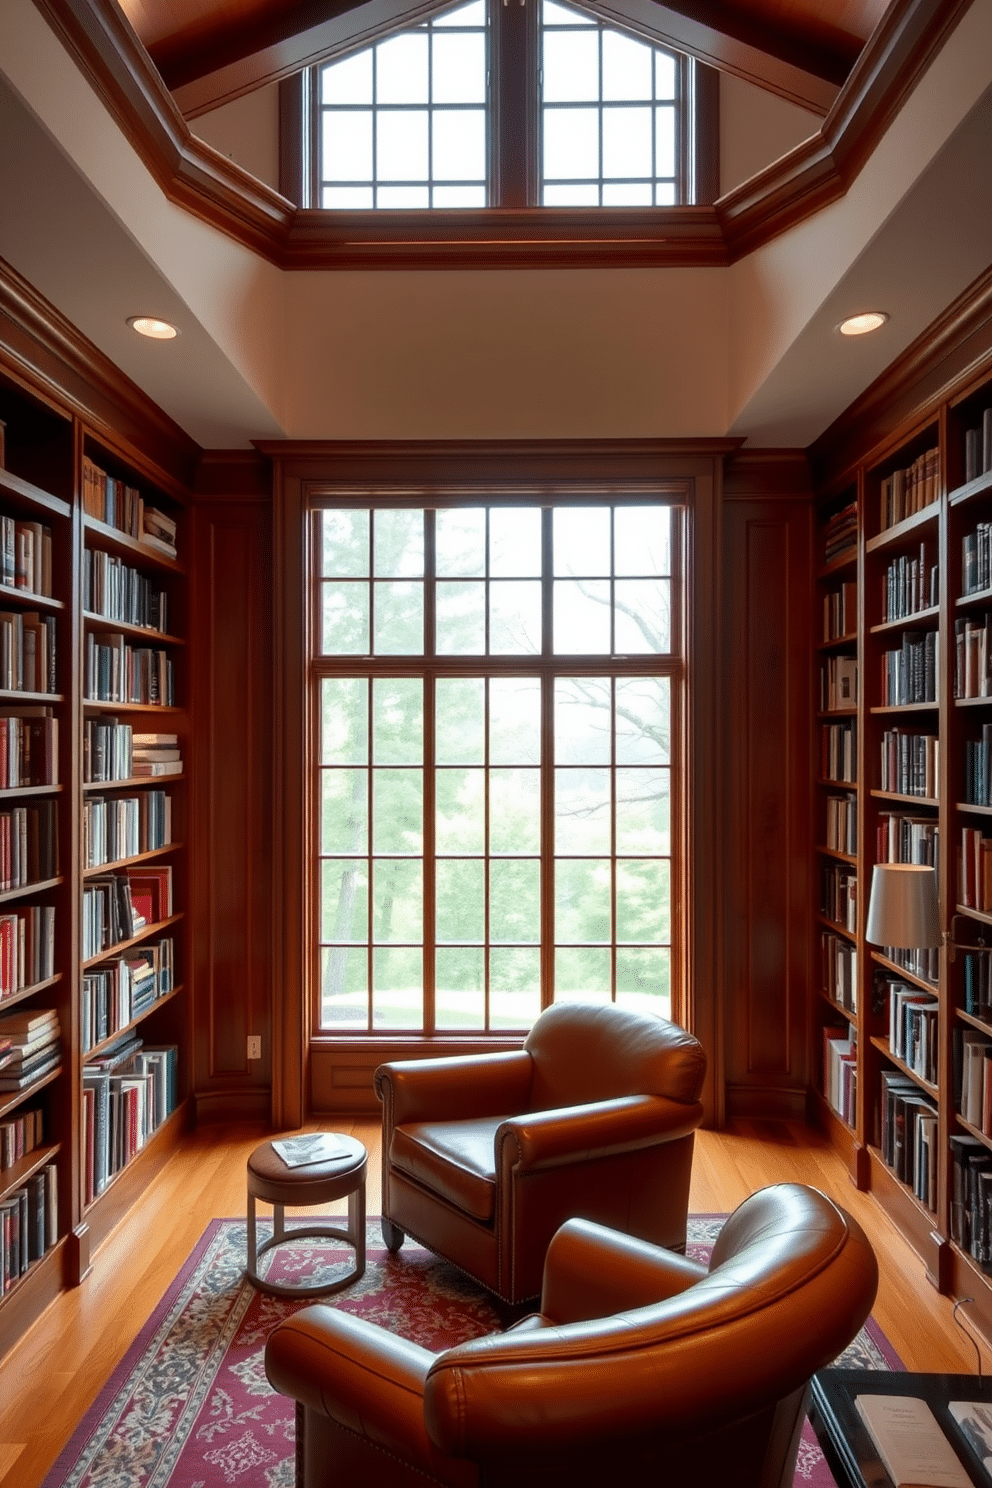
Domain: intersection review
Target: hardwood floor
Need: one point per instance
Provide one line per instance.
(48, 1381)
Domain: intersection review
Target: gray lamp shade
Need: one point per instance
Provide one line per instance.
(902, 910)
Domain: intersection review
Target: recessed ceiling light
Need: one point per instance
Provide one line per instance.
(149, 325)
(860, 325)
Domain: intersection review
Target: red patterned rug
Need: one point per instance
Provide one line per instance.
(190, 1407)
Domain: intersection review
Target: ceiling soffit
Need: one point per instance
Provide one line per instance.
(202, 181)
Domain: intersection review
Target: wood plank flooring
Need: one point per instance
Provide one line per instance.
(49, 1380)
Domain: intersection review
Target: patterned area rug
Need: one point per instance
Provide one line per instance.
(190, 1407)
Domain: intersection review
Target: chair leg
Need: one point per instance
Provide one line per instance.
(393, 1237)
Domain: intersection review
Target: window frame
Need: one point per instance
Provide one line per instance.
(546, 666)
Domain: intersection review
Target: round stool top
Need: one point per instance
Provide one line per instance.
(268, 1169)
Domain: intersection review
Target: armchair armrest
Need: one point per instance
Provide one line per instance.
(571, 1134)
(592, 1272)
(454, 1089)
(356, 1373)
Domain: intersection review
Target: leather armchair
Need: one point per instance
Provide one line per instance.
(641, 1365)
(484, 1156)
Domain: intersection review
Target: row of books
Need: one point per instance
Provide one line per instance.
(909, 763)
(27, 652)
(122, 506)
(905, 492)
(839, 895)
(117, 993)
(976, 559)
(840, 1072)
(978, 448)
(115, 590)
(840, 532)
(840, 612)
(971, 1197)
(29, 750)
(908, 1138)
(119, 827)
(34, 1046)
(839, 752)
(113, 751)
(26, 556)
(972, 1053)
(976, 976)
(838, 683)
(909, 671)
(28, 1224)
(117, 672)
(978, 768)
(909, 586)
(924, 963)
(27, 948)
(118, 907)
(29, 844)
(906, 839)
(913, 1029)
(20, 1135)
(973, 657)
(840, 970)
(975, 870)
(127, 1093)
(842, 823)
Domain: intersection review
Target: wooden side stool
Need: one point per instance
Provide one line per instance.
(270, 1180)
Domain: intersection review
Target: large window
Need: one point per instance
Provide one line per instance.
(460, 111)
(496, 692)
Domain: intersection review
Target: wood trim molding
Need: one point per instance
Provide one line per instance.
(767, 474)
(202, 181)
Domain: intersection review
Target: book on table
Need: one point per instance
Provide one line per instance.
(913, 1448)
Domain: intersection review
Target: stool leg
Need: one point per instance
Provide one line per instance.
(278, 1220)
(356, 1227)
(252, 1252)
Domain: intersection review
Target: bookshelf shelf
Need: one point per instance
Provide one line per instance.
(23, 494)
(114, 540)
(900, 708)
(26, 1167)
(142, 632)
(133, 782)
(906, 622)
(119, 946)
(6, 1003)
(143, 857)
(11, 1099)
(882, 1045)
(153, 1007)
(977, 487)
(891, 536)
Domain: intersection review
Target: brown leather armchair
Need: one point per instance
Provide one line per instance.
(483, 1157)
(641, 1365)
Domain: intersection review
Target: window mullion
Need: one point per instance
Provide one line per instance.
(514, 102)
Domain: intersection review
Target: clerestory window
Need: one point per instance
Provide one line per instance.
(486, 104)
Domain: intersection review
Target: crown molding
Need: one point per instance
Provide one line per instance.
(198, 178)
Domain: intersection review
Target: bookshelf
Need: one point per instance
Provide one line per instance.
(94, 743)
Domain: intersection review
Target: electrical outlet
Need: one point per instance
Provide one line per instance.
(254, 1046)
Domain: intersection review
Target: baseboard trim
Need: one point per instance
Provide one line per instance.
(765, 1103)
(233, 1105)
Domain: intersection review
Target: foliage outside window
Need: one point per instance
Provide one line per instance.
(497, 692)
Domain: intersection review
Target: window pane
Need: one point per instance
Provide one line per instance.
(399, 619)
(582, 899)
(461, 899)
(627, 142)
(643, 712)
(515, 900)
(344, 899)
(643, 901)
(460, 977)
(411, 198)
(343, 987)
(461, 720)
(514, 721)
(514, 811)
(401, 71)
(399, 544)
(665, 141)
(571, 143)
(397, 901)
(581, 541)
(560, 15)
(644, 980)
(346, 198)
(514, 542)
(397, 811)
(582, 617)
(464, 15)
(343, 811)
(582, 721)
(401, 146)
(459, 196)
(397, 987)
(344, 720)
(514, 987)
(627, 67)
(571, 68)
(582, 811)
(570, 196)
(643, 620)
(582, 974)
(515, 618)
(459, 145)
(347, 146)
(642, 540)
(460, 543)
(397, 721)
(349, 81)
(627, 194)
(665, 74)
(344, 619)
(344, 544)
(461, 619)
(458, 72)
(460, 814)
(664, 194)
(643, 811)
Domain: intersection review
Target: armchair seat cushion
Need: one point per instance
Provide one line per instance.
(455, 1159)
